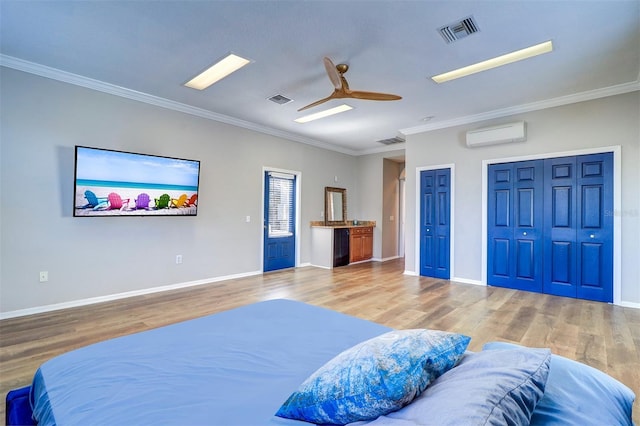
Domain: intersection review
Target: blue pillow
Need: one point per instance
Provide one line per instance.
(375, 377)
(577, 394)
(486, 388)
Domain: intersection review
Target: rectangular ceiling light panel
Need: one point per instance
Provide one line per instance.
(217, 71)
(323, 114)
(498, 61)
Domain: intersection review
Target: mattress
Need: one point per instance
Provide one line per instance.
(239, 366)
(232, 368)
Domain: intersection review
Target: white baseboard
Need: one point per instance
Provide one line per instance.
(467, 281)
(410, 273)
(111, 297)
(630, 305)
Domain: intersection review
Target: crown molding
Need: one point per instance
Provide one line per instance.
(534, 106)
(89, 83)
(112, 89)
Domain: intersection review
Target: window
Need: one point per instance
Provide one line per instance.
(281, 220)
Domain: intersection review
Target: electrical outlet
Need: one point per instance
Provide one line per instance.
(178, 259)
(44, 276)
(247, 219)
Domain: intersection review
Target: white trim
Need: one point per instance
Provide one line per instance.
(112, 89)
(117, 296)
(386, 259)
(100, 86)
(410, 273)
(534, 106)
(452, 210)
(633, 305)
(617, 203)
(466, 281)
(298, 176)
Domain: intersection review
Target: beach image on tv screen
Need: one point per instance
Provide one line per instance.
(115, 183)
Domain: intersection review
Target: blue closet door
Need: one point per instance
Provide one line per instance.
(550, 226)
(560, 273)
(435, 228)
(515, 225)
(595, 227)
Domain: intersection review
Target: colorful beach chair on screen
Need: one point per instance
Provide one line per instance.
(179, 202)
(193, 201)
(162, 202)
(93, 201)
(116, 202)
(142, 202)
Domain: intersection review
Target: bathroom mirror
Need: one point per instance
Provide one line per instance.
(335, 206)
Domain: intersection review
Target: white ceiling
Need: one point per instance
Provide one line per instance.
(143, 48)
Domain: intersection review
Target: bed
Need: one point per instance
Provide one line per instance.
(238, 367)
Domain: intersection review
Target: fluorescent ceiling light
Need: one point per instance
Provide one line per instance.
(322, 114)
(498, 61)
(218, 71)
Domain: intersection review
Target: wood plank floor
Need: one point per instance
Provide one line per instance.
(604, 336)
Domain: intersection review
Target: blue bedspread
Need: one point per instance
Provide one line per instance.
(182, 375)
(238, 367)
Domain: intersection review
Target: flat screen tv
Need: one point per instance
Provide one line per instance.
(117, 183)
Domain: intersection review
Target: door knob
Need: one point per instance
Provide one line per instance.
(524, 233)
(592, 236)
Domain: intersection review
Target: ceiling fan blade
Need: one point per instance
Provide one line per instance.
(332, 72)
(321, 101)
(373, 96)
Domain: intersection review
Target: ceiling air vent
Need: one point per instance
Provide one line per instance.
(280, 100)
(458, 30)
(391, 141)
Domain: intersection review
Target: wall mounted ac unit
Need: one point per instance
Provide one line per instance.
(505, 133)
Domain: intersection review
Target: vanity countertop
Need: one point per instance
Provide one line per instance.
(347, 224)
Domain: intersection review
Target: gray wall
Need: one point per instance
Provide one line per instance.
(42, 121)
(598, 123)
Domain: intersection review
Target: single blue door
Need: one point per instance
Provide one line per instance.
(515, 225)
(279, 221)
(435, 228)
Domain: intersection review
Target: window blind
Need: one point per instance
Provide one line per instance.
(281, 204)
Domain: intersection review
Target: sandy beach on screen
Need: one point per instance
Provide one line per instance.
(132, 195)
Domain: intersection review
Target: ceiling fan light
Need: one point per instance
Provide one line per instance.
(217, 71)
(498, 61)
(323, 114)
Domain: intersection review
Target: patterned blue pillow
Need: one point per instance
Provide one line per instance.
(375, 377)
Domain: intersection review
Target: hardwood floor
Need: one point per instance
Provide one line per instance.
(604, 336)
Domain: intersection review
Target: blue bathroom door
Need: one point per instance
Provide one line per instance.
(279, 221)
(435, 219)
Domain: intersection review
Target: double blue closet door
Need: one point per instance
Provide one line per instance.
(550, 226)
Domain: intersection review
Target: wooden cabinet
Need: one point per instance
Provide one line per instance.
(361, 244)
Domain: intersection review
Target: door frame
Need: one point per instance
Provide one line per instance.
(298, 176)
(617, 206)
(452, 222)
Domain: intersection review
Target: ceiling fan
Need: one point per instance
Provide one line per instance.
(336, 75)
